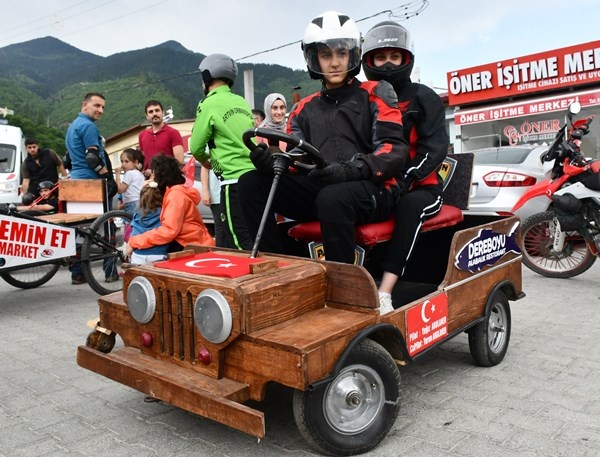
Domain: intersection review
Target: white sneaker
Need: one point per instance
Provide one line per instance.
(385, 304)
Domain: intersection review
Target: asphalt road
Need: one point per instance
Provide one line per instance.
(542, 400)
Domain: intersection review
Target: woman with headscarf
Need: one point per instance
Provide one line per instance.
(275, 111)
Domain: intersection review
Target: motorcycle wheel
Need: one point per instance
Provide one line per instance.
(539, 256)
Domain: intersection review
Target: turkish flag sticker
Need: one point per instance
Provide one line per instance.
(427, 323)
(210, 263)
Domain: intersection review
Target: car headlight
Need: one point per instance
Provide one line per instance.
(141, 300)
(9, 186)
(213, 316)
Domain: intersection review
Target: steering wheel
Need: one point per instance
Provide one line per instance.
(308, 150)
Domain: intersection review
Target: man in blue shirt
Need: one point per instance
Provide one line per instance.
(90, 161)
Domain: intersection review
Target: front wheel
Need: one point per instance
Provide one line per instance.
(31, 277)
(488, 340)
(540, 256)
(100, 254)
(355, 411)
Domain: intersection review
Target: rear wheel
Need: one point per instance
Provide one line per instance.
(101, 256)
(488, 340)
(31, 277)
(540, 256)
(356, 410)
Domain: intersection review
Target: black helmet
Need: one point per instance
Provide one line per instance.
(45, 185)
(388, 34)
(218, 66)
(331, 29)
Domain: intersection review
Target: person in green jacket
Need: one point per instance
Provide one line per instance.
(221, 119)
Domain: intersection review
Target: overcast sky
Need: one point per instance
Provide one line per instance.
(448, 34)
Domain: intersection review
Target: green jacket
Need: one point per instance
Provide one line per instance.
(221, 119)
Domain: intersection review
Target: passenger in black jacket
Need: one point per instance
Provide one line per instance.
(357, 128)
(388, 56)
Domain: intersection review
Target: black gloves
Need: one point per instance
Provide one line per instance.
(261, 158)
(338, 172)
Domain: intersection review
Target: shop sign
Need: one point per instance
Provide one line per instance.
(560, 68)
(527, 108)
(23, 242)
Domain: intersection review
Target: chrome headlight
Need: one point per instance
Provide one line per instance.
(141, 300)
(213, 316)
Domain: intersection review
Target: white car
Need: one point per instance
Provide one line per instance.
(502, 174)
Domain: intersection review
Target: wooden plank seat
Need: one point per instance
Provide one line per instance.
(368, 235)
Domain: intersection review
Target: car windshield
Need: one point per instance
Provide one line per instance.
(500, 155)
(8, 153)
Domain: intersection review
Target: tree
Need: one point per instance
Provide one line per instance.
(47, 136)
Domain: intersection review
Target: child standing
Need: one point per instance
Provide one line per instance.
(147, 217)
(130, 185)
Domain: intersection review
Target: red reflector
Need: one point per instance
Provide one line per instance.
(204, 356)
(146, 339)
(508, 179)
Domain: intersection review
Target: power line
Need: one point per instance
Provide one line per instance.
(413, 8)
(114, 18)
(43, 17)
(67, 18)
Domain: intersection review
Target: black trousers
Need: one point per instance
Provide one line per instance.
(236, 231)
(338, 207)
(411, 211)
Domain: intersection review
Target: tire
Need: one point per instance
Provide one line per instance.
(101, 341)
(488, 340)
(100, 254)
(538, 256)
(32, 277)
(366, 393)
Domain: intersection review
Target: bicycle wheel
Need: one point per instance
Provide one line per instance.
(101, 258)
(31, 277)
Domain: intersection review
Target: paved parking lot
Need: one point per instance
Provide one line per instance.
(542, 400)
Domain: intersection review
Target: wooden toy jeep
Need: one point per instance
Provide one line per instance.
(208, 329)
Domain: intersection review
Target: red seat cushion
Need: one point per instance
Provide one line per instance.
(378, 232)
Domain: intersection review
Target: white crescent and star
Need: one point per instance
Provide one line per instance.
(424, 308)
(226, 263)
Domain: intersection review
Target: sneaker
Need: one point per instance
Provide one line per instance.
(112, 278)
(385, 304)
(79, 279)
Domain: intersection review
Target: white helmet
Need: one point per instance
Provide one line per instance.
(334, 30)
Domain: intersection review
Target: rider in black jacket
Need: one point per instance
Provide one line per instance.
(358, 129)
(388, 56)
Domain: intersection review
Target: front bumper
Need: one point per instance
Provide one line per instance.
(216, 399)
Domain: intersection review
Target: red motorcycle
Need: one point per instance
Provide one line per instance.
(562, 238)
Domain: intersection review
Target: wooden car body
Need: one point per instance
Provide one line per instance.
(294, 320)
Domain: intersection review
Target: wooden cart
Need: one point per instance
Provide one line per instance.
(207, 330)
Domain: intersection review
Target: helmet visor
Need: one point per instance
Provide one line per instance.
(333, 56)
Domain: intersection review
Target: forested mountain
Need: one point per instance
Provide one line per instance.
(45, 79)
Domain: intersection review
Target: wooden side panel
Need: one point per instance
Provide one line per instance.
(294, 353)
(462, 238)
(350, 285)
(81, 190)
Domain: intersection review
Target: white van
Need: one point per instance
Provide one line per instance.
(12, 154)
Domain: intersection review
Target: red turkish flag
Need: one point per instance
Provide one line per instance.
(211, 263)
(188, 170)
